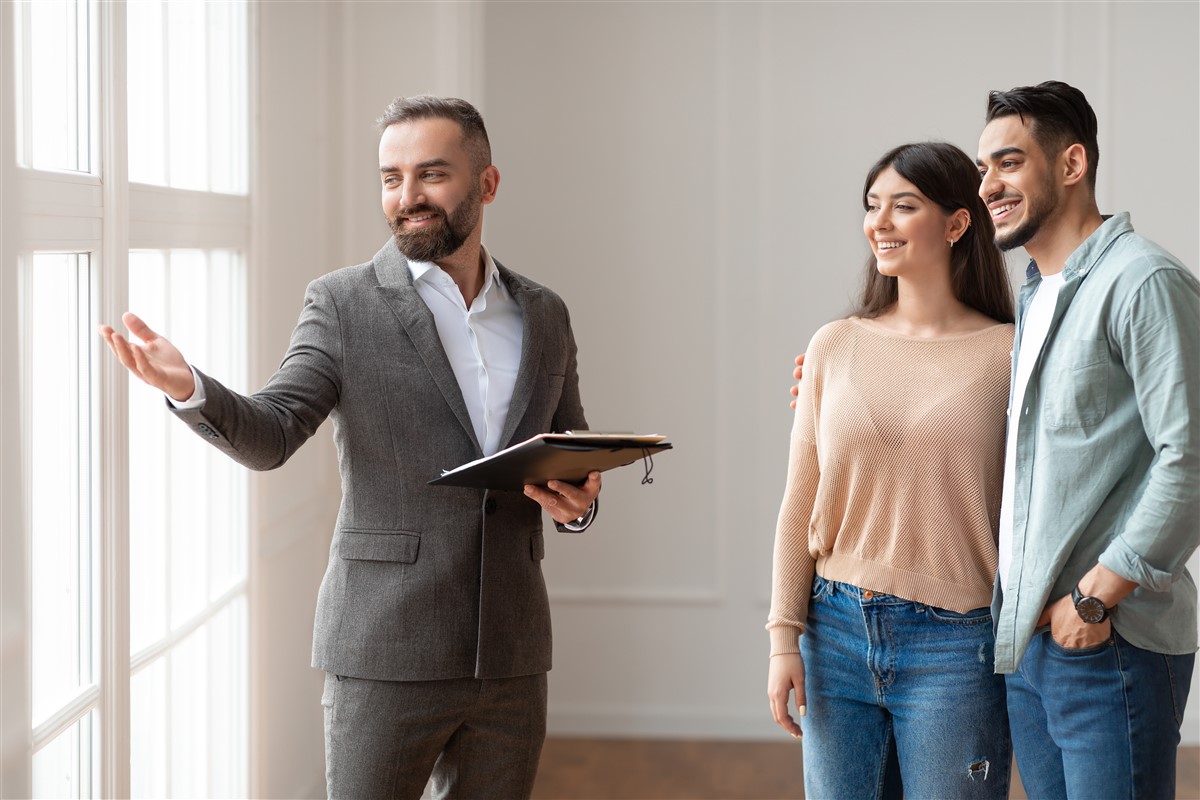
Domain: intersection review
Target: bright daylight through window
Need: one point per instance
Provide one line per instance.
(133, 169)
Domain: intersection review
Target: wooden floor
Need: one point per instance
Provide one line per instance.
(624, 769)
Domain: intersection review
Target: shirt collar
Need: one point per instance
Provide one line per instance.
(424, 270)
(1088, 253)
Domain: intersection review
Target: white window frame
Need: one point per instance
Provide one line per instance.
(104, 214)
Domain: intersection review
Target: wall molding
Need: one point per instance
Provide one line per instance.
(682, 597)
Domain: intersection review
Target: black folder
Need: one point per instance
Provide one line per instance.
(554, 456)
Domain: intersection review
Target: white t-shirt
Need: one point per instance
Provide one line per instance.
(1034, 327)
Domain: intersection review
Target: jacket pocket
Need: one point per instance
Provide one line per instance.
(361, 545)
(1079, 397)
(537, 547)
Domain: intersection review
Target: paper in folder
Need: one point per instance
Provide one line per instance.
(555, 456)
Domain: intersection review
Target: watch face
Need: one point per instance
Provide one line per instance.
(1090, 610)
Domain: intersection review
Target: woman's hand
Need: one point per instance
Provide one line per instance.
(786, 675)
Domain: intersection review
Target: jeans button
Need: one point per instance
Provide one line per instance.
(867, 594)
(489, 505)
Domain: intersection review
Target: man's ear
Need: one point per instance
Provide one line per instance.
(1075, 164)
(489, 182)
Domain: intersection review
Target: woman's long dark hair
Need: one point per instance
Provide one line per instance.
(948, 177)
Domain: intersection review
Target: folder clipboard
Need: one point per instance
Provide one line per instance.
(555, 456)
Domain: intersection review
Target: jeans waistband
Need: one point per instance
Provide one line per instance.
(862, 595)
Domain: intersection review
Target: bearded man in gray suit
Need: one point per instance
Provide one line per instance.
(432, 622)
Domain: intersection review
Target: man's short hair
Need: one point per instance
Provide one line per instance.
(1058, 116)
(426, 106)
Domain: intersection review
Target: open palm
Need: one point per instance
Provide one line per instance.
(155, 360)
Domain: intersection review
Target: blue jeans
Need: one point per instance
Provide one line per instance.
(1098, 722)
(902, 699)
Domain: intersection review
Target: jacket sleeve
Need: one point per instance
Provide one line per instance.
(262, 431)
(569, 415)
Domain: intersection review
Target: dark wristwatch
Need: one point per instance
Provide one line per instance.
(1090, 609)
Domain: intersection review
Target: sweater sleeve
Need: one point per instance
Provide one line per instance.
(792, 573)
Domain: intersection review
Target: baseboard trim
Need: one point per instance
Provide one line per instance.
(663, 722)
(666, 722)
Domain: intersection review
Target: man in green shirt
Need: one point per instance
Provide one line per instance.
(1095, 610)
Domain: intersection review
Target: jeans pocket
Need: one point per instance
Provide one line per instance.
(976, 616)
(1077, 652)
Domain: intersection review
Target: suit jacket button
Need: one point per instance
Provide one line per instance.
(489, 506)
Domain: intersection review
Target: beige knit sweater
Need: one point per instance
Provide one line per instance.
(895, 471)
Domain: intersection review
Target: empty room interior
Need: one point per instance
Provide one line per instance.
(686, 176)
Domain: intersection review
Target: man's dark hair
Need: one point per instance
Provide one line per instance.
(948, 177)
(1058, 116)
(426, 106)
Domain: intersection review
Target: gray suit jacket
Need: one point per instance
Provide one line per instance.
(424, 582)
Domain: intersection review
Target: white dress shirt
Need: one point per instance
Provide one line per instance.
(482, 343)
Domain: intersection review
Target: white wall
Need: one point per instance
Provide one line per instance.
(298, 132)
(687, 176)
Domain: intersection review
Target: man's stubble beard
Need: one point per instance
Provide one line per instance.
(1040, 210)
(443, 240)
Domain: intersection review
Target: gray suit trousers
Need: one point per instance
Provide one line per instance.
(478, 738)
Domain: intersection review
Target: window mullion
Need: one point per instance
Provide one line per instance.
(65, 717)
(112, 480)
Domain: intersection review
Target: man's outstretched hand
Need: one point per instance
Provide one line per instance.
(796, 373)
(155, 360)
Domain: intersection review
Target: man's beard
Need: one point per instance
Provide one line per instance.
(437, 241)
(1039, 208)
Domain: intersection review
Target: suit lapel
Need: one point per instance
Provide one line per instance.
(530, 299)
(396, 288)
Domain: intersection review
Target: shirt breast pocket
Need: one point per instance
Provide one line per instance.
(1077, 397)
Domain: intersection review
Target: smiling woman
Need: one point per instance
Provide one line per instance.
(885, 540)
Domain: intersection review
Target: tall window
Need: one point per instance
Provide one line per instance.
(131, 124)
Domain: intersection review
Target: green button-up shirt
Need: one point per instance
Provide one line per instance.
(1108, 449)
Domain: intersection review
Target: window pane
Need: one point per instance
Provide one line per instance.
(228, 89)
(148, 731)
(58, 327)
(207, 727)
(188, 94)
(68, 766)
(147, 94)
(55, 59)
(228, 738)
(187, 500)
(188, 714)
(148, 427)
(225, 324)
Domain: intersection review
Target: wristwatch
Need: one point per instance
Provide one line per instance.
(1090, 609)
